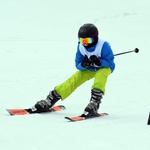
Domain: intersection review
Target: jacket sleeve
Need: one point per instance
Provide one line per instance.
(107, 56)
(78, 59)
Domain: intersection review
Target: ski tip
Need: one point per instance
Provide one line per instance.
(76, 118)
(62, 107)
(8, 110)
(58, 108)
(68, 118)
(17, 111)
(103, 114)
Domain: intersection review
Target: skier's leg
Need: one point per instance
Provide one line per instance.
(101, 79)
(63, 90)
(45, 105)
(97, 91)
(66, 88)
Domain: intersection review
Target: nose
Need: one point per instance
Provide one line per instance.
(85, 44)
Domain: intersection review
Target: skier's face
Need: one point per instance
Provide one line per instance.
(84, 44)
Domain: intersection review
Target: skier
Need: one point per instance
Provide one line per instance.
(94, 59)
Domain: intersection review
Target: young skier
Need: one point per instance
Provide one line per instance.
(94, 59)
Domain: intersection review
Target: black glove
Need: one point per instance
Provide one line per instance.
(95, 61)
(86, 62)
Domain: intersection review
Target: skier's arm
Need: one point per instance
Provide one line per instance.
(78, 60)
(107, 56)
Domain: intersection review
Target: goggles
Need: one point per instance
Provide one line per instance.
(87, 40)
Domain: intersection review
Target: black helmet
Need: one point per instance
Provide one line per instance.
(88, 30)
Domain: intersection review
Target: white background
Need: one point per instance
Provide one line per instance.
(38, 41)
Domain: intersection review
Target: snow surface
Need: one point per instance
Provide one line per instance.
(38, 40)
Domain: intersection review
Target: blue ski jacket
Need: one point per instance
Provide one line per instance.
(102, 50)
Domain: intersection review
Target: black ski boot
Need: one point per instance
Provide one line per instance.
(93, 106)
(46, 105)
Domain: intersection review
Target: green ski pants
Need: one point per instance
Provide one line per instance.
(67, 87)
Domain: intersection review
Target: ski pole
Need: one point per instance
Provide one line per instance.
(148, 123)
(136, 50)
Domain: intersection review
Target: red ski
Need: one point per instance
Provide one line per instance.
(80, 118)
(30, 111)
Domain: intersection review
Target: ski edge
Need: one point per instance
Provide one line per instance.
(79, 118)
(22, 111)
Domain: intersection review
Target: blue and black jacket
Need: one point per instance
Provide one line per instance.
(102, 50)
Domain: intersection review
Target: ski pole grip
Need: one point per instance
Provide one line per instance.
(136, 50)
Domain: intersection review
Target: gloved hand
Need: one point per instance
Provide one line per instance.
(86, 62)
(95, 61)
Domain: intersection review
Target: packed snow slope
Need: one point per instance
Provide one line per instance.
(38, 41)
